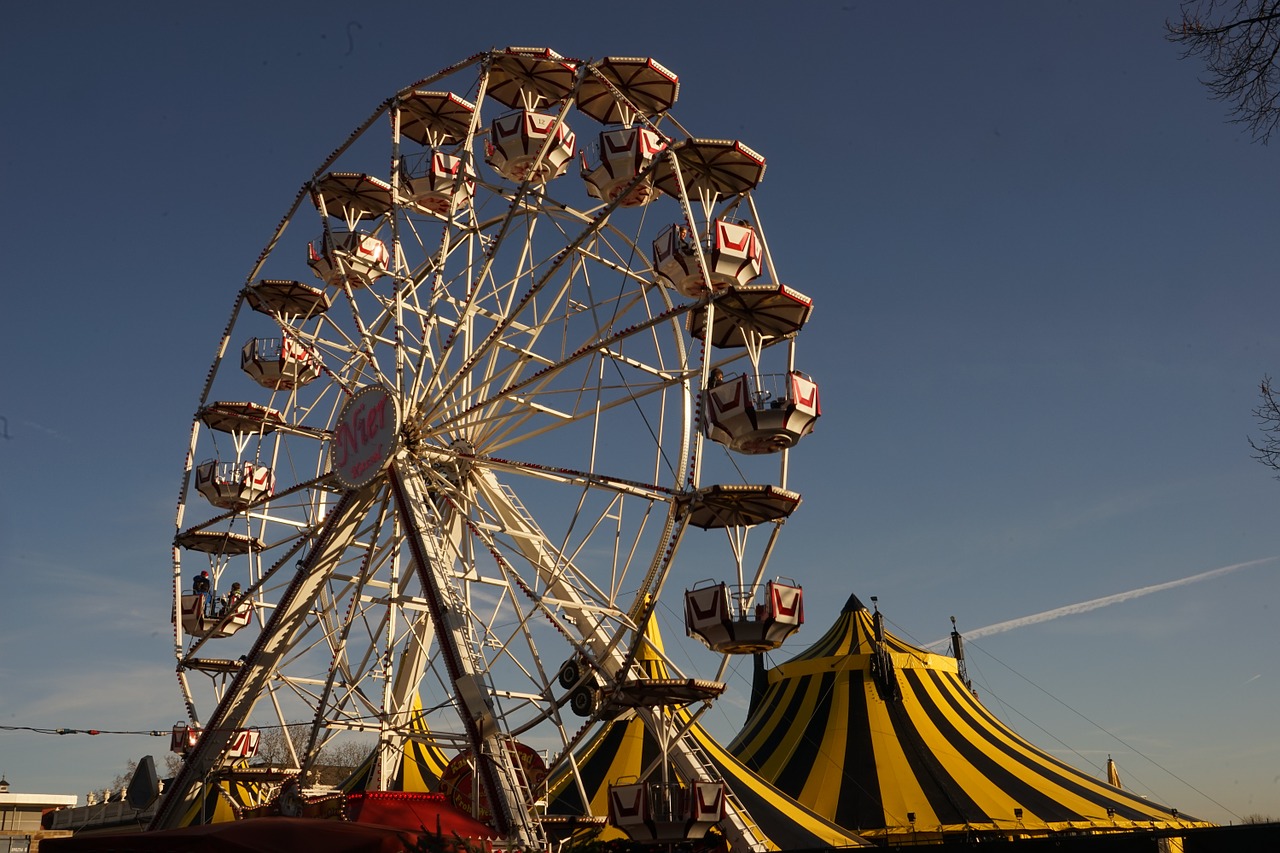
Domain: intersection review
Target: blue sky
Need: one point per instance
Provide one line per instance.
(1042, 265)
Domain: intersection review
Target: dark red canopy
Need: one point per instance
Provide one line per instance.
(416, 811)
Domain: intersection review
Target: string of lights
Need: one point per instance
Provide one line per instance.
(43, 731)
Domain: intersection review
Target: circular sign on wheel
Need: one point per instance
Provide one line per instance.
(458, 781)
(366, 437)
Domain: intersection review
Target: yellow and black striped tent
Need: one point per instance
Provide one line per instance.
(223, 801)
(624, 748)
(420, 767)
(886, 739)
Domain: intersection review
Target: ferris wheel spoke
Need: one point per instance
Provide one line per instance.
(472, 293)
(614, 485)
(543, 281)
(521, 397)
(558, 582)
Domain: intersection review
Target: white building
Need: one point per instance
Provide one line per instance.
(20, 814)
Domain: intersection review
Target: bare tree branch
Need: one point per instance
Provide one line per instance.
(331, 766)
(1239, 43)
(1267, 449)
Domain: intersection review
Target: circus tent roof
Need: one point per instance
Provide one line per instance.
(624, 748)
(421, 762)
(886, 739)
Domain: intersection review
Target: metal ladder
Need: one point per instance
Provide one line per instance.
(511, 761)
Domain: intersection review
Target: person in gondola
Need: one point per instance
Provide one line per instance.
(200, 586)
(715, 378)
(686, 240)
(230, 599)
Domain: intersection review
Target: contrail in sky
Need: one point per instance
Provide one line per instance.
(1105, 601)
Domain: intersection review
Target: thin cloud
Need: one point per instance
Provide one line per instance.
(1105, 601)
(50, 431)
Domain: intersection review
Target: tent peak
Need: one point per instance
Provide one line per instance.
(853, 605)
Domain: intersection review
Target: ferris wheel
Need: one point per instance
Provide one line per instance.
(480, 389)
